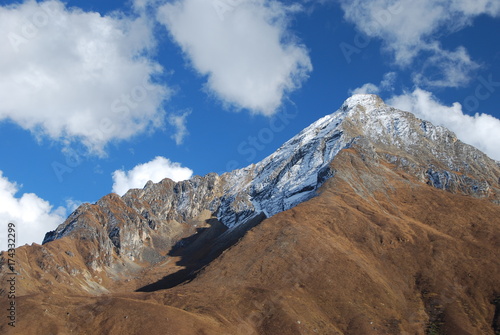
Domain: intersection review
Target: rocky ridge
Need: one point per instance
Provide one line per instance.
(144, 223)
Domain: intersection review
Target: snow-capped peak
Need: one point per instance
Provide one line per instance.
(294, 172)
(289, 176)
(365, 100)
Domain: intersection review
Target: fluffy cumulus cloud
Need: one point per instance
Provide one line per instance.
(480, 130)
(243, 47)
(32, 216)
(71, 75)
(155, 170)
(409, 28)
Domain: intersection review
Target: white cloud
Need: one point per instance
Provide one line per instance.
(481, 130)
(446, 68)
(71, 75)
(409, 28)
(477, 7)
(179, 123)
(387, 84)
(32, 216)
(367, 88)
(243, 47)
(155, 170)
(388, 81)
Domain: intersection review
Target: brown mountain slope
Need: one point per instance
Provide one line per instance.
(362, 260)
(377, 252)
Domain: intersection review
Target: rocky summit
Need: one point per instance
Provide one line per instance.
(369, 221)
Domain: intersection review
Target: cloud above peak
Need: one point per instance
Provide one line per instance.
(243, 47)
(410, 28)
(386, 85)
(70, 75)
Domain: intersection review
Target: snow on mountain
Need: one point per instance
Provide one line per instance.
(287, 177)
(294, 172)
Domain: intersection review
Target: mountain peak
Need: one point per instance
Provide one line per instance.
(295, 172)
(366, 100)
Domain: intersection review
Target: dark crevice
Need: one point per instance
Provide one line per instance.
(114, 236)
(496, 317)
(433, 306)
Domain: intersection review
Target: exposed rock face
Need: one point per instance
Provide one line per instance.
(377, 223)
(432, 153)
(146, 221)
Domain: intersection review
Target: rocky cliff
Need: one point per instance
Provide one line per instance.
(144, 223)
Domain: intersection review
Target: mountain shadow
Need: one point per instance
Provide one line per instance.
(200, 249)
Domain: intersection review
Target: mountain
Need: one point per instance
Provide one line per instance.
(369, 221)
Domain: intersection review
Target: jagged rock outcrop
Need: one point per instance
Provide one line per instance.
(144, 223)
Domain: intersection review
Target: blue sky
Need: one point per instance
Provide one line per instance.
(99, 96)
